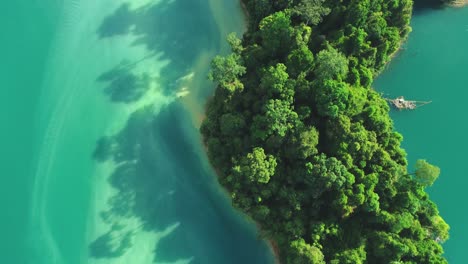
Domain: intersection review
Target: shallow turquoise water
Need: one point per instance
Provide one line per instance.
(100, 151)
(434, 66)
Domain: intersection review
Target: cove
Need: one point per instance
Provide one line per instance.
(433, 65)
(102, 160)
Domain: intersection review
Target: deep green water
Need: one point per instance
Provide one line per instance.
(434, 66)
(100, 154)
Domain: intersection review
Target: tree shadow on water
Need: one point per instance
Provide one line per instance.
(160, 180)
(123, 85)
(111, 244)
(144, 182)
(179, 30)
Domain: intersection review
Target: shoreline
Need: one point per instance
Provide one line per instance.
(271, 243)
(198, 119)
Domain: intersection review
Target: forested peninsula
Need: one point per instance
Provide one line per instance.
(306, 147)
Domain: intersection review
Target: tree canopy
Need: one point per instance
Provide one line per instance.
(306, 147)
(426, 173)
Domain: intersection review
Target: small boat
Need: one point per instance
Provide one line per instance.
(401, 103)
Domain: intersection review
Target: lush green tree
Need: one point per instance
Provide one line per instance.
(300, 60)
(311, 11)
(332, 98)
(439, 229)
(350, 256)
(426, 173)
(278, 119)
(235, 43)
(226, 71)
(358, 11)
(276, 33)
(274, 80)
(303, 253)
(331, 64)
(256, 166)
(376, 26)
(303, 144)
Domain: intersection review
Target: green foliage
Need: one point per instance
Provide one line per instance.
(311, 11)
(226, 71)
(300, 60)
(331, 64)
(358, 12)
(303, 253)
(256, 166)
(305, 146)
(235, 43)
(332, 98)
(274, 80)
(440, 232)
(350, 256)
(232, 124)
(278, 119)
(426, 173)
(276, 33)
(304, 143)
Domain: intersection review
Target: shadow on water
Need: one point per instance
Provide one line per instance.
(123, 85)
(421, 6)
(179, 31)
(161, 183)
(103, 246)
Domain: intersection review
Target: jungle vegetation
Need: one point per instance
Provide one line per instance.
(306, 147)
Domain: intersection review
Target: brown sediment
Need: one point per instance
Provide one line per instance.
(193, 85)
(193, 107)
(274, 247)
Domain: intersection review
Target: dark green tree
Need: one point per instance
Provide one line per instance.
(311, 11)
(256, 166)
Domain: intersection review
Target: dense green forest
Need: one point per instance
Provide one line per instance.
(305, 146)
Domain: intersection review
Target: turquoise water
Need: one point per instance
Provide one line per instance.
(100, 152)
(20, 75)
(434, 66)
